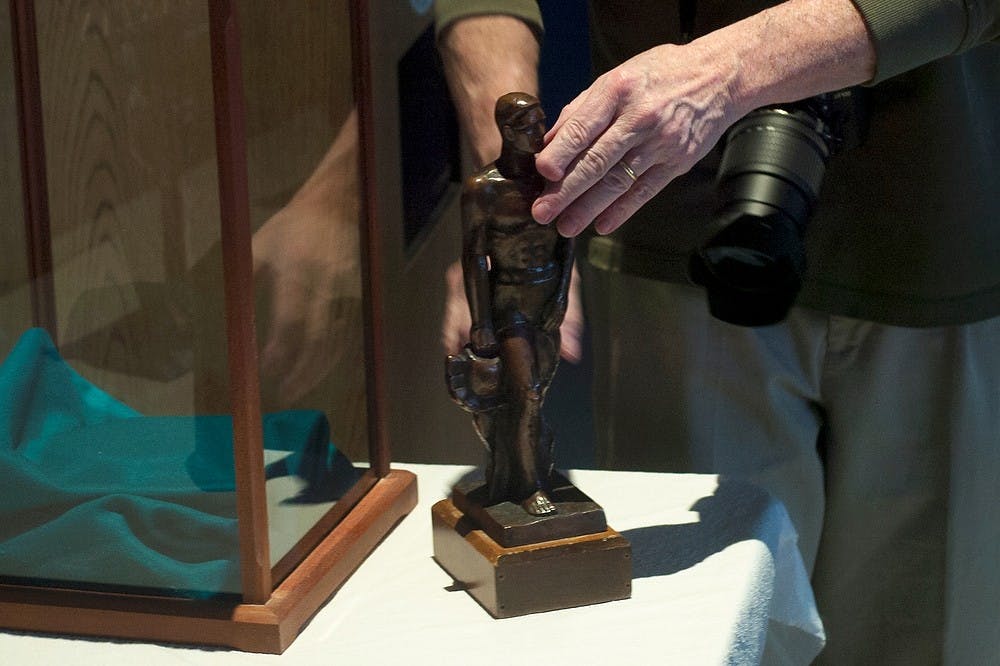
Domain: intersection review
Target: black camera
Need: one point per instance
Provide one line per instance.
(773, 162)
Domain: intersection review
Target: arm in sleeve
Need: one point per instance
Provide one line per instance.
(488, 49)
(910, 33)
(447, 12)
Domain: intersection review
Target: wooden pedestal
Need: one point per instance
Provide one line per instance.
(531, 578)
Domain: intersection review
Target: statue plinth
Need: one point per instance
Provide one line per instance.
(533, 576)
(510, 525)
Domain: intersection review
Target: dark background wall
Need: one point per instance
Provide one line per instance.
(564, 70)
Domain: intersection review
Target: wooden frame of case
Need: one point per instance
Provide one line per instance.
(269, 616)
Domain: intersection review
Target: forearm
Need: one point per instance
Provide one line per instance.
(334, 181)
(791, 51)
(486, 57)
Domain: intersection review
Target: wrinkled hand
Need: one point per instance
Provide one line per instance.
(457, 321)
(659, 113)
(307, 259)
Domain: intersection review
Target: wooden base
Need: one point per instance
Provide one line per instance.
(270, 627)
(532, 578)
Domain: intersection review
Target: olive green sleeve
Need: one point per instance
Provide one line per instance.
(910, 33)
(448, 11)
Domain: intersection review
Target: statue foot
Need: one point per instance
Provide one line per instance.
(539, 505)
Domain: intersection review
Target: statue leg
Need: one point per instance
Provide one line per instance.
(525, 391)
(489, 427)
(546, 360)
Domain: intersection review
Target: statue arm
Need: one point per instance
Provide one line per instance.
(563, 256)
(475, 270)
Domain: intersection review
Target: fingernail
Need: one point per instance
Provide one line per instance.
(542, 213)
(566, 228)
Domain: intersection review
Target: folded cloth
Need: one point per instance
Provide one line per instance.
(95, 494)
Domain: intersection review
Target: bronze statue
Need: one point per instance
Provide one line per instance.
(517, 275)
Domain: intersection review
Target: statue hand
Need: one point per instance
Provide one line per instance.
(484, 342)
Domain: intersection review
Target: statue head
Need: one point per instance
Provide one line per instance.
(521, 121)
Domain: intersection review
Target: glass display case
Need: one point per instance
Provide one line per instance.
(191, 391)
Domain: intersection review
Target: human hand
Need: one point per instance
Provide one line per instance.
(457, 321)
(307, 260)
(658, 113)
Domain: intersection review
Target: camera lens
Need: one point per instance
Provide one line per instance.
(769, 144)
(769, 180)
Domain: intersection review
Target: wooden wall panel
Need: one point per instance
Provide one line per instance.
(15, 299)
(128, 117)
(132, 189)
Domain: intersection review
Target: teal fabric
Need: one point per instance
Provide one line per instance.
(96, 494)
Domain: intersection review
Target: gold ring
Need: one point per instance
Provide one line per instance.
(628, 170)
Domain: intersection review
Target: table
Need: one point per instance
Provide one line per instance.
(716, 575)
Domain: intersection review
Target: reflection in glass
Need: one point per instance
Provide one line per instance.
(116, 445)
(15, 299)
(303, 164)
(98, 495)
(100, 434)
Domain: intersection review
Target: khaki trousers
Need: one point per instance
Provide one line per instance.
(882, 442)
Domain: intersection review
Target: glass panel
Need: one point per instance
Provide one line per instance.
(118, 458)
(15, 297)
(302, 145)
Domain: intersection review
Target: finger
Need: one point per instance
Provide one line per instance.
(616, 183)
(325, 324)
(596, 164)
(575, 134)
(284, 330)
(597, 88)
(332, 343)
(644, 189)
(566, 112)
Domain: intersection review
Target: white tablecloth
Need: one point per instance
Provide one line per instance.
(716, 574)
